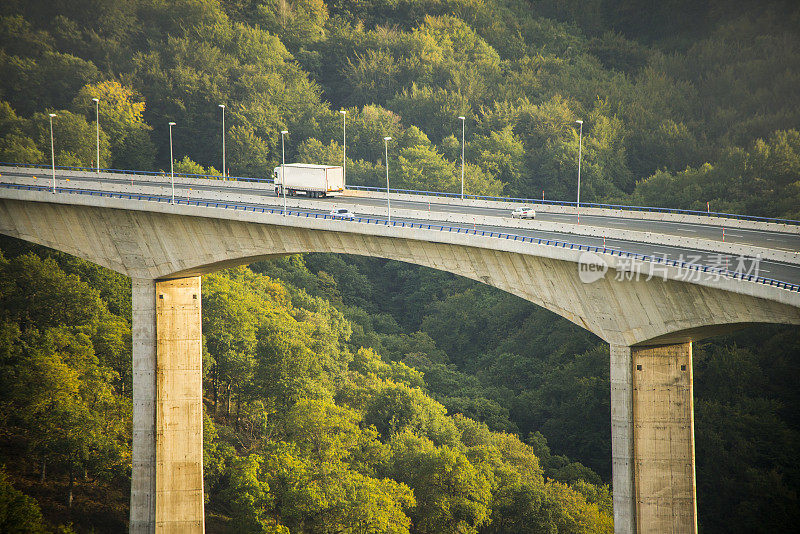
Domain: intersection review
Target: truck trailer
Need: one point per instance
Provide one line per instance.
(315, 181)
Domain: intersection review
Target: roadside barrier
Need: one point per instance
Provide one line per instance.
(531, 201)
(735, 275)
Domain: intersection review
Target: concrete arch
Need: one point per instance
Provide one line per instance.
(161, 244)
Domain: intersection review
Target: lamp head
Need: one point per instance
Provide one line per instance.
(95, 100)
(342, 111)
(172, 124)
(463, 118)
(284, 132)
(579, 122)
(52, 114)
(387, 138)
(222, 106)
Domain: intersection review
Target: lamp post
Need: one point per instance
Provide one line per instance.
(224, 174)
(283, 167)
(97, 110)
(463, 130)
(52, 151)
(580, 147)
(344, 144)
(171, 160)
(388, 204)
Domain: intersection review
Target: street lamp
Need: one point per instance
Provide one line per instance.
(463, 130)
(388, 204)
(97, 109)
(171, 160)
(344, 144)
(224, 175)
(52, 151)
(283, 167)
(580, 147)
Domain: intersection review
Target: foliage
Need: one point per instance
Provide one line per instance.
(18, 512)
(377, 364)
(187, 166)
(64, 366)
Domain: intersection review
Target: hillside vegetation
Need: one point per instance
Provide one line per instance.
(698, 106)
(306, 429)
(357, 395)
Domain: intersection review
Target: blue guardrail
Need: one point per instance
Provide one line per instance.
(532, 201)
(403, 224)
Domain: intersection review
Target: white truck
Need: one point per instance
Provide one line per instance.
(315, 181)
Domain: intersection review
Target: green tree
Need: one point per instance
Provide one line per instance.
(250, 498)
(396, 408)
(122, 119)
(33, 74)
(452, 495)
(229, 326)
(37, 293)
(186, 165)
(18, 513)
(298, 23)
(66, 400)
(16, 144)
(500, 154)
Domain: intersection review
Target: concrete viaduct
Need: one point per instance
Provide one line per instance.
(649, 311)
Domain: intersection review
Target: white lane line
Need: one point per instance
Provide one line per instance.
(446, 208)
(677, 223)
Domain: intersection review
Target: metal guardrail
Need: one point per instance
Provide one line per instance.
(441, 194)
(442, 228)
(540, 202)
(218, 177)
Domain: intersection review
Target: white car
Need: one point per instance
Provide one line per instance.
(523, 213)
(342, 213)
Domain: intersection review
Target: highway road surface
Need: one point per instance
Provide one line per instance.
(762, 238)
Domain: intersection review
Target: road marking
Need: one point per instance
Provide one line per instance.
(445, 207)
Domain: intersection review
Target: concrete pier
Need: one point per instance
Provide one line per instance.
(622, 458)
(663, 444)
(143, 476)
(167, 486)
(652, 418)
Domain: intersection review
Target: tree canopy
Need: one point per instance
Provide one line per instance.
(358, 395)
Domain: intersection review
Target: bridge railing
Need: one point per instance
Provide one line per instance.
(440, 194)
(137, 173)
(565, 203)
(716, 271)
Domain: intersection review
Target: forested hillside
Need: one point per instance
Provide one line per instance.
(346, 391)
(307, 428)
(698, 106)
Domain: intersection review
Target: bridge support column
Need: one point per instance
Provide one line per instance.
(622, 462)
(167, 478)
(652, 425)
